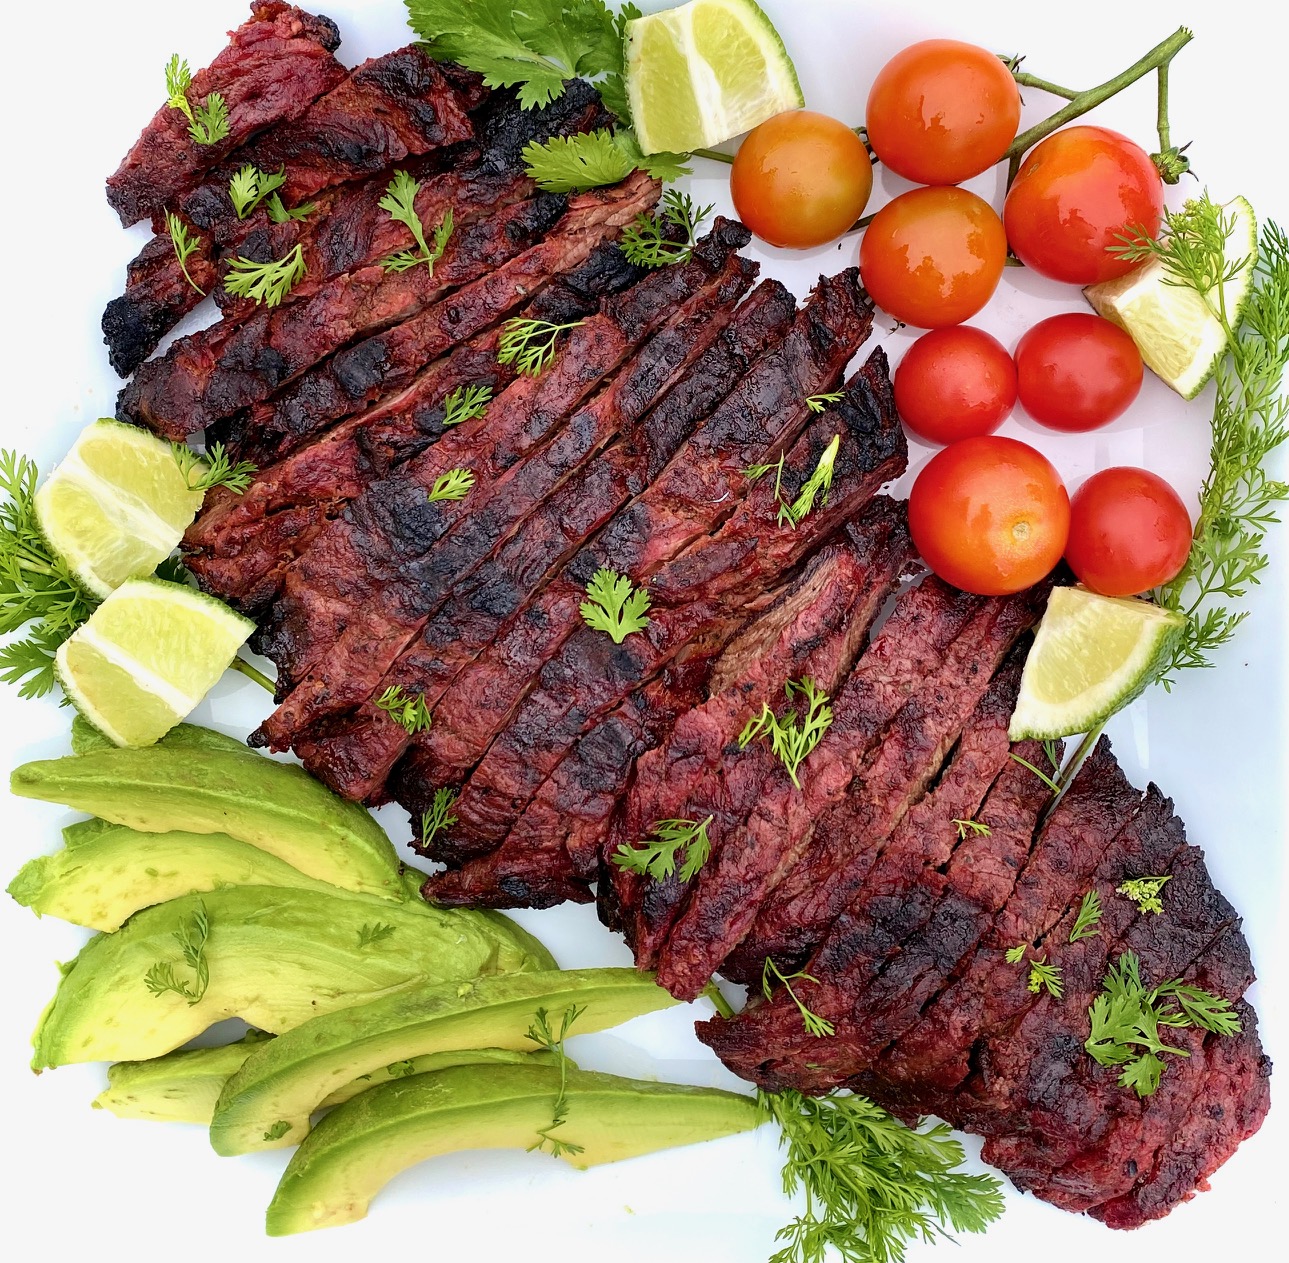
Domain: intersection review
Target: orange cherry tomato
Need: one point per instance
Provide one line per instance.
(955, 384)
(990, 515)
(1076, 193)
(933, 257)
(801, 179)
(942, 111)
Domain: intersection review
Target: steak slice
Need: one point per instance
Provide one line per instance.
(817, 630)
(589, 675)
(414, 551)
(239, 544)
(365, 746)
(276, 64)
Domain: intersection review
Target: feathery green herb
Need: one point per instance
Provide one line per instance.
(1126, 1020)
(409, 711)
(819, 403)
(374, 932)
(1017, 954)
(249, 186)
(649, 241)
(191, 937)
(279, 214)
(37, 590)
(793, 512)
(465, 403)
(792, 739)
(541, 1034)
(215, 469)
(530, 344)
(871, 1184)
(1041, 975)
(820, 1027)
(1250, 421)
(1042, 776)
(974, 826)
(614, 606)
(1085, 924)
(207, 121)
(186, 244)
(656, 856)
(400, 202)
(266, 283)
(439, 816)
(455, 484)
(1144, 892)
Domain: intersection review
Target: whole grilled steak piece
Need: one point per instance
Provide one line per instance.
(240, 544)
(276, 65)
(699, 771)
(365, 746)
(589, 675)
(232, 365)
(408, 551)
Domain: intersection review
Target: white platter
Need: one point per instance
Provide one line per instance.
(81, 79)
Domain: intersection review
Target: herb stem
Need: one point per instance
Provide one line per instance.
(715, 155)
(251, 673)
(722, 1005)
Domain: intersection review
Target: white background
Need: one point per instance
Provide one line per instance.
(81, 79)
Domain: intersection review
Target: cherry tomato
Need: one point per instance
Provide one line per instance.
(942, 111)
(990, 515)
(801, 179)
(1129, 532)
(1077, 371)
(933, 257)
(1074, 194)
(955, 384)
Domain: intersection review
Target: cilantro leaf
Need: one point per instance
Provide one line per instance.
(567, 164)
(614, 606)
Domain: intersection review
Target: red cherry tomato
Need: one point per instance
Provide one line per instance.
(955, 384)
(1077, 371)
(933, 257)
(942, 111)
(801, 179)
(1129, 532)
(990, 515)
(1074, 194)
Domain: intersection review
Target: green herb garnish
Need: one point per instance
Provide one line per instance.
(207, 121)
(266, 283)
(186, 244)
(408, 711)
(374, 932)
(647, 242)
(1144, 892)
(541, 1034)
(792, 739)
(656, 856)
(215, 469)
(438, 818)
(1085, 924)
(249, 186)
(614, 606)
(465, 403)
(191, 937)
(400, 202)
(820, 1027)
(455, 484)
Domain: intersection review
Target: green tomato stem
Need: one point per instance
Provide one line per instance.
(1161, 117)
(1026, 80)
(715, 155)
(251, 673)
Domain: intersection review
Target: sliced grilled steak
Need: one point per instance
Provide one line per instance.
(240, 544)
(365, 746)
(413, 551)
(557, 711)
(276, 65)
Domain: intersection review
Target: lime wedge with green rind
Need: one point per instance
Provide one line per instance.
(1091, 656)
(705, 71)
(1176, 329)
(146, 657)
(116, 506)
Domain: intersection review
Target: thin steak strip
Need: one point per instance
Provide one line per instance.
(416, 550)
(366, 746)
(240, 544)
(276, 64)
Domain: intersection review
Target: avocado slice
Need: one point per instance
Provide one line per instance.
(277, 807)
(182, 1087)
(357, 1149)
(267, 1103)
(86, 739)
(108, 872)
(276, 957)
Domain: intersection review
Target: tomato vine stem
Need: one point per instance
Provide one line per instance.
(251, 673)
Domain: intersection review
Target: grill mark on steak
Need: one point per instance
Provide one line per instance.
(276, 64)
(699, 770)
(239, 544)
(556, 712)
(561, 496)
(495, 682)
(407, 553)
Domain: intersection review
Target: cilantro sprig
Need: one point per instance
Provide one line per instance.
(530, 344)
(614, 606)
(657, 854)
(648, 240)
(400, 202)
(465, 403)
(186, 244)
(248, 186)
(216, 469)
(265, 283)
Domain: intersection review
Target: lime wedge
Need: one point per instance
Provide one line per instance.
(146, 657)
(116, 506)
(704, 72)
(1092, 655)
(1174, 328)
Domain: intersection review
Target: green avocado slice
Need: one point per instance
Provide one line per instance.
(277, 807)
(276, 958)
(182, 1087)
(268, 1102)
(357, 1149)
(86, 739)
(109, 871)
